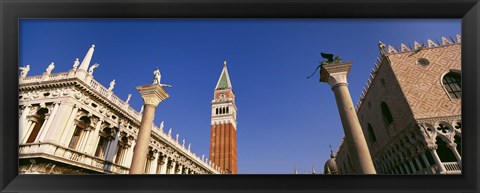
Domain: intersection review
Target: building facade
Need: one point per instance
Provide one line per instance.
(410, 110)
(71, 124)
(223, 135)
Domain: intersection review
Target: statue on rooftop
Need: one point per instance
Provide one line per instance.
(189, 146)
(161, 126)
(50, 68)
(170, 132)
(329, 60)
(75, 64)
(128, 98)
(112, 85)
(157, 76)
(24, 70)
(90, 71)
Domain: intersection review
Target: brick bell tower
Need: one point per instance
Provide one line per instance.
(223, 136)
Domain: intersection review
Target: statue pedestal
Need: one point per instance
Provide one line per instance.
(152, 95)
(335, 74)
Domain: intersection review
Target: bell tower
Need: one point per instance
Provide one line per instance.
(223, 135)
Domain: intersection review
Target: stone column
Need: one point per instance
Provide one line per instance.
(153, 167)
(57, 126)
(427, 164)
(180, 169)
(438, 162)
(163, 165)
(70, 126)
(46, 124)
(152, 95)
(92, 142)
(130, 154)
(418, 163)
(335, 74)
(30, 126)
(453, 147)
(412, 166)
(24, 123)
(172, 167)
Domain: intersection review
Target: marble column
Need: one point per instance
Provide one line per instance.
(179, 170)
(153, 168)
(93, 138)
(57, 126)
(438, 162)
(172, 167)
(70, 126)
(30, 125)
(453, 147)
(335, 74)
(163, 165)
(130, 154)
(23, 123)
(152, 95)
(46, 124)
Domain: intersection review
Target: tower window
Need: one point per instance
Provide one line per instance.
(227, 110)
(453, 84)
(387, 115)
(216, 111)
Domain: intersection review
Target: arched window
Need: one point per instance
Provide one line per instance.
(453, 84)
(121, 149)
(223, 110)
(444, 153)
(216, 111)
(371, 134)
(227, 110)
(78, 133)
(40, 119)
(387, 116)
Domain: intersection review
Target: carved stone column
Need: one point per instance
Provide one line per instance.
(453, 147)
(153, 167)
(438, 162)
(23, 124)
(418, 163)
(152, 95)
(129, 156)
(335, 74)
(163, 165)
(172, 167)
(427, 164)
(70, 126)
(47, 123)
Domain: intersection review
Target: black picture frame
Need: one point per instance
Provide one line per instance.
(13, 10)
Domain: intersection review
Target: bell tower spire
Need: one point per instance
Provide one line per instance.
(223, 138)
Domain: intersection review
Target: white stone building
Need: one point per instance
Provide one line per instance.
(71, 124)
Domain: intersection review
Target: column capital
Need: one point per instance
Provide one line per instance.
(152, 94)
(335, 73)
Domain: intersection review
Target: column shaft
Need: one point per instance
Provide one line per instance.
(153, 167)
(356, 142)
(143, 138)
(438, 162)
(23, 123)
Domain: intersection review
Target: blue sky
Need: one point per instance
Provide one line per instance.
(285, 121)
